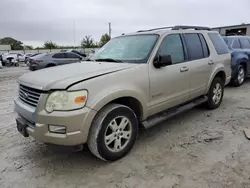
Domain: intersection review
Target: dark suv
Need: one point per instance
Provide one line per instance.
(240, 50)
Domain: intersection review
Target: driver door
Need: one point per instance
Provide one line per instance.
(169, 85)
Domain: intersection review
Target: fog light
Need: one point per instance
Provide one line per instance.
(57, 129)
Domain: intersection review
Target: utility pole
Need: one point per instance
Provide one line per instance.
(110, 29)
(74, 35)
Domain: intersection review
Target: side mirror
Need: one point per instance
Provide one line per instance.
(84, 55)
(162, 61)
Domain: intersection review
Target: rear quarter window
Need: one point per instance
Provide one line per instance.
(219, 44)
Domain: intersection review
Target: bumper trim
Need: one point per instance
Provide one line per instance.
(42, 134)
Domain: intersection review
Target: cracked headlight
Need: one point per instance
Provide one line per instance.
(66, 100)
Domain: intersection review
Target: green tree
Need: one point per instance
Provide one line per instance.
(28, 47)
(87, 42)
(50, 45)
(104, 39)
(15, 44)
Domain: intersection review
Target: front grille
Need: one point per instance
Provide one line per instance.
(29, 95)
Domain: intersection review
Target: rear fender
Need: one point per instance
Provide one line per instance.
(214, 73)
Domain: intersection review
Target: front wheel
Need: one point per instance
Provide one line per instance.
(215, 93)
(113, 132)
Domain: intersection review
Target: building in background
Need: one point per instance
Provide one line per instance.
(4, 47)
(243, 29)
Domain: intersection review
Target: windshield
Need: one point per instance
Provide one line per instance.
(228, 40)
(132, 49)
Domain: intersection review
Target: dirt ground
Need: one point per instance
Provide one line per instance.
(198, 149)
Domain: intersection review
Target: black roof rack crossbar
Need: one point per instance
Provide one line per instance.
(178, 27)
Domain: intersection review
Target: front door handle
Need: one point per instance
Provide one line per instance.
(184, 69)
(210, 62)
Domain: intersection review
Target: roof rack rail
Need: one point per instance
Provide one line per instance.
(178, 27)
(159, 28)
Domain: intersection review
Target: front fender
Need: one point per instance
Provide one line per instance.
(106, 97)
(237, 58)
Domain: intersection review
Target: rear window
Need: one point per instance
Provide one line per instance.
(219, 44)
(59, 56)
(72, 55)
(245, 43)
(194, 46)
(206, 52)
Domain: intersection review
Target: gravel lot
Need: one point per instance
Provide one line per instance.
(198, 149)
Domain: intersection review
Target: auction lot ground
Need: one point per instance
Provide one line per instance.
(198, 149)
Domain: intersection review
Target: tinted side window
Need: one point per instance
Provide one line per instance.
(172, 45)
(59, 56)
(76, 52)
(219, 44)
(194, 47)
(236, 44)
(72, 55)
(205, 48)
(245, 43)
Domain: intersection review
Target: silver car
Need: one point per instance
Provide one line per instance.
(46, 60)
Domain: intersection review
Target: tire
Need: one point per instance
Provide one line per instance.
(50, 65)
(240, 77)
(103, 127)
(33, 68)
(215, 93)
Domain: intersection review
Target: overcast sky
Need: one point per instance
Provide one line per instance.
(35, 21)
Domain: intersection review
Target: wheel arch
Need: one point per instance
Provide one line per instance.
(238, 58)
(244, 63)
(218, 73)
(51, 64)
(127, 98)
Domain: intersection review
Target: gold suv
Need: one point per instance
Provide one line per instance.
(137, 79)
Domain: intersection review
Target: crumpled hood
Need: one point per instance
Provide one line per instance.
(61, 77)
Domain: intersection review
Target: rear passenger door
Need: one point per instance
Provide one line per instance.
(60, 58)
(245, 43)
(72, 58)
(200, 61)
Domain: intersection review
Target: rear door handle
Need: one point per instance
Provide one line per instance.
(210, 62)
(184, 69)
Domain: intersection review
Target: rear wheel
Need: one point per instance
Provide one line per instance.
(9, 62)
(50, 65)
(32, 68)
(215, 93)
(113, 132)
(240, 77)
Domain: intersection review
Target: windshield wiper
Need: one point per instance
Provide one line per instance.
(109, 60)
